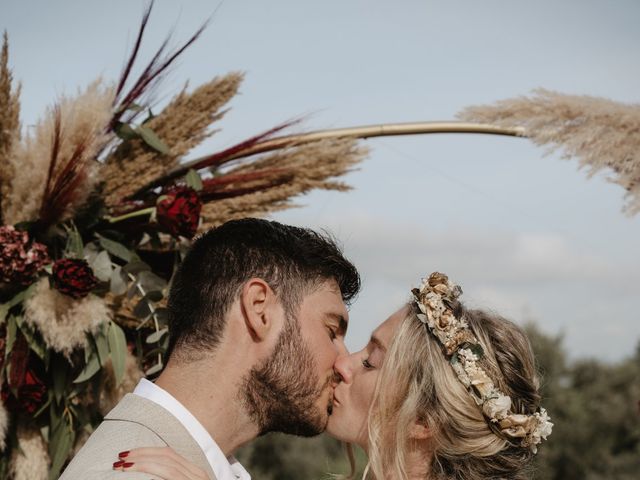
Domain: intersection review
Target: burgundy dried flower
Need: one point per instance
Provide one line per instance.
(178, 211)
(20, 259)
(73, 277)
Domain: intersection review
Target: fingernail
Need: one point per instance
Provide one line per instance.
(124, 454)
(127, 465)
(118, 464)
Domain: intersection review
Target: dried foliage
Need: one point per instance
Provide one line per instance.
(283, 175)
(4, 426)
(63, 321)
(9, 121)
(55, 168)
(600, 133)
(182, 125)
(30, 461)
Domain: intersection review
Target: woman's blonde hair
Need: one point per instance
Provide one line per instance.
(417, 382)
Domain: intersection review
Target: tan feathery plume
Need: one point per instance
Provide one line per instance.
(68, 138)
(62, 320)
(308, 166)
(30, 461)
(110, 394)
(4, 426)
(9, 121)
(182, 125)
(600, 133)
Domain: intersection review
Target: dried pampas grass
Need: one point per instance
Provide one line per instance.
(601, 133)
(308, 166)
(182, 125)
(62, 320)
(9, 121)
(68, 139)
(4, 426)
(110, 394)
(30, 461)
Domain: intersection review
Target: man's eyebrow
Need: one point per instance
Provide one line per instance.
(376, 341)
(343, 324)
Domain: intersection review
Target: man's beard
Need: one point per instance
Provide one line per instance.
(280, 395)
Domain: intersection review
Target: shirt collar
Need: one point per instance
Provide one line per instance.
(225, 468)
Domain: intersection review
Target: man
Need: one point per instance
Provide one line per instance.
(257, 318)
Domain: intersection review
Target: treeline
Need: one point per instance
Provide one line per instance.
(595, 407)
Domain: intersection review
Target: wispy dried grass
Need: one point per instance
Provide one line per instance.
(62, 320)
(600, 133)
(9, 121)
(68, 138)
(30, 461)
(182, 125)
(294, 171)
(110, 394)
(4, 426)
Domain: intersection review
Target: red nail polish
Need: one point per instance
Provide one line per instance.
(124, 454)
(118, 464)
(127, 465)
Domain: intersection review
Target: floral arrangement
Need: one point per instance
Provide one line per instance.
(434, 299)
(97, 209)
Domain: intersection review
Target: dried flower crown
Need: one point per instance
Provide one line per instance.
(434, 298)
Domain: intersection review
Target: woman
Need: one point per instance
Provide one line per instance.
(439, 392)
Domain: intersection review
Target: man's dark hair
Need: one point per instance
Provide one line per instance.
(292, 260)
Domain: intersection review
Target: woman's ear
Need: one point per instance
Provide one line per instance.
(419, 431)
(256, 300)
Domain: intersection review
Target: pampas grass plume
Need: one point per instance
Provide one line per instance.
(4, 426)
(84, 119)
(30, 461)
(602, 134)
(62, 320)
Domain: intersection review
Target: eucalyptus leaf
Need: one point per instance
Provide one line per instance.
(90, 369)
(75, 246)
(60, 445)
(102, 345)
(18, 298)
(101, 266)
(155, 369)
(154, 296)
(125, 131)
(150, 281)
(118, 349)
(59, 373)
(136, 266)
(117, 284)
(35, 344)
(150, 138)
(142, 309)
(12, 330)
(116, 248)
(193, 180)
(162, 316)
(156, 336)
(476, 349)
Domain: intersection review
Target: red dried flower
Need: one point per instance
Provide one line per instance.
(20, 259)
(73, 277)
(178, 211)
(28, 392)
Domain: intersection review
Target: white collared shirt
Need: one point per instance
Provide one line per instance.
(225, 468)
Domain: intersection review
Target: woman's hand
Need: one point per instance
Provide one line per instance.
(162, 462)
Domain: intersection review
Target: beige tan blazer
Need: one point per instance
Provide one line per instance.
(134, 422)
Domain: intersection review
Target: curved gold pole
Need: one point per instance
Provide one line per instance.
(366, 131)
(369, 131)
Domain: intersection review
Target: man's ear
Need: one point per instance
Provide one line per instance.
(257, 301)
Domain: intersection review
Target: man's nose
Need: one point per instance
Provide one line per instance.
(342, 368)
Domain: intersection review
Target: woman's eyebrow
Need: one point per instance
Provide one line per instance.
(376, 341)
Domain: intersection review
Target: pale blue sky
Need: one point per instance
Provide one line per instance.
(524, 234)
